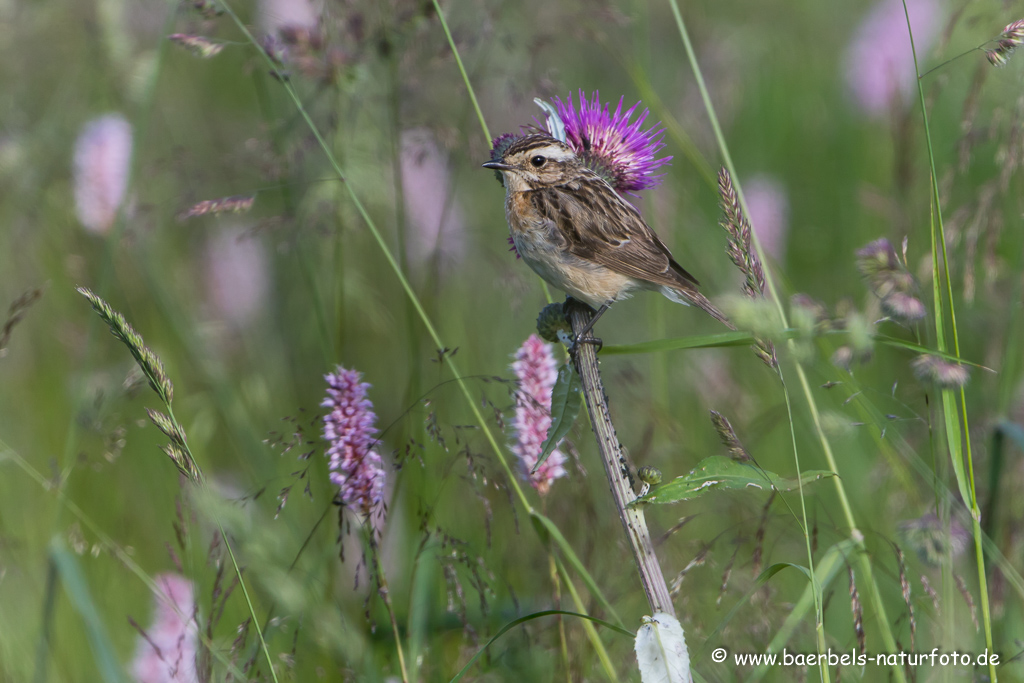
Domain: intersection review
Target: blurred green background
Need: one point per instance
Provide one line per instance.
(248, 312)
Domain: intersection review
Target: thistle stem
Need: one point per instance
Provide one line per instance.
(616, 465)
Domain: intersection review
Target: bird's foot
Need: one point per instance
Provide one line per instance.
(575, 346)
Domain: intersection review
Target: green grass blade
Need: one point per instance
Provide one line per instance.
(595, 639)
(570, 555)
(919, 349)
(81, 598)
(462, 70)
(704, 341)
(960, 449)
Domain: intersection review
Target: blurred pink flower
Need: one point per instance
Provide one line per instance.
(167, 651)
(103, 155)
(237, 275)
(536, 370)
(355, 467)
(434, 216)
(879, 64)
(278, 14)
(769, 213)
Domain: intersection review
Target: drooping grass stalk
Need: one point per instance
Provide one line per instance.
(177, 448)
(862, 559)
(958, 435)
(113, 239)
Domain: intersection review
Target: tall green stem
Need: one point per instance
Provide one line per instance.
(958, 434)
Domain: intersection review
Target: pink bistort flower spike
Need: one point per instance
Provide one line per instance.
(536, 371)
(355, 466)
(166, 652)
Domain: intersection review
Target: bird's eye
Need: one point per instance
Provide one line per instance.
(538, 161)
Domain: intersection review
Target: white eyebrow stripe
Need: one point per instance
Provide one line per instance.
(553, 152)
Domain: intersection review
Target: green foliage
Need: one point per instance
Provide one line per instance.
(254, 258)
(719, 473)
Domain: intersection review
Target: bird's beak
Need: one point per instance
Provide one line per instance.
(497, 166)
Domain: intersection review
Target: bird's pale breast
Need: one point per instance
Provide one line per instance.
(544, 249)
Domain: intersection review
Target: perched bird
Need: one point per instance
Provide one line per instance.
(575, 231)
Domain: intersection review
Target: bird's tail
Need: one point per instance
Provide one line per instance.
(691, 297)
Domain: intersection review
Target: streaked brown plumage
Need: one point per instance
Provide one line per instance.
(575, 231)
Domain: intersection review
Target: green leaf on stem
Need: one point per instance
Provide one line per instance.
(704, 341)
(566, 400)
(719, 473)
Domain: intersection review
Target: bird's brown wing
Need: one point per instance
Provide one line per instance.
(601, 227)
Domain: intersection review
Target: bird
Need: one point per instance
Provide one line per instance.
(578, 234)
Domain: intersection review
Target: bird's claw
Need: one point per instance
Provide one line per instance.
(574, 347)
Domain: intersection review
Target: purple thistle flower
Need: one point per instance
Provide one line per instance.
(166, 653)
(536, 371)
(611, 145)
(498, 147)
(512, 247)
(355, 467)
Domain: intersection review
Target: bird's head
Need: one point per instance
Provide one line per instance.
(534, 161)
